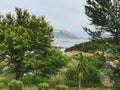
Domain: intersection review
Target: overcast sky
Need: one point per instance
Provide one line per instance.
(62, 14)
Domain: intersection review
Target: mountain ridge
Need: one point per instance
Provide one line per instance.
(64, 34)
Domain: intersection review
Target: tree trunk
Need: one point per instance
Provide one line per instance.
(116, 38)
(17, 76)
(80, 83)
(18, 70)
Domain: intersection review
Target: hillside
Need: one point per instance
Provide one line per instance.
(93, 46)
(64, 34)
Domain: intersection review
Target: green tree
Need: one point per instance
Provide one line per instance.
(24, 36)
(53, 63)
(82, 67)
(105, 16)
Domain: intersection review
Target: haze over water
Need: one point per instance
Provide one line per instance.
(66, 43)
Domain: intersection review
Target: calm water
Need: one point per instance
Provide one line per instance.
(65, 43)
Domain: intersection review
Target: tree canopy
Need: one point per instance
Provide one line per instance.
(25, 43)
(105, 15)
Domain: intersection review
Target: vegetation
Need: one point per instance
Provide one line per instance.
(92, 77)
(25, 45)
(26, 53)
(57, 79)
(72, 76)
(2, 86)
(93, 45)
(61, 87)
(15, 85)
(113, 74)
(43, 86)
(29, 80)
(21, 37)
(82, 67)
(105, 15)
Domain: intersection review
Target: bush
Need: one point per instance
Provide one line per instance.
(3, 82)
(72, 83)
(92, 79)
(57, 79)
(43, 86)
(33, 80)
(15, 85)
(2, 86)
(61, 87)
(72, 77)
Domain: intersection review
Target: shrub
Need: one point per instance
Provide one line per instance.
(61, 87)
(72, 77)
(3, 83)
(57, 79)
(72, 83)
(33, 80)
(43, 86)
(15, 85)
(2, 86)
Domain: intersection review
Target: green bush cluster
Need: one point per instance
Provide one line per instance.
(92, 79)
(33, 80)
(72, 77)
(59, 78)
(3, 82)
(62, 87)
(43, 86)
(2, 86)
(15, 85)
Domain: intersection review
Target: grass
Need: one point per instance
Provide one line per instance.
(35, 88)
(30, 88)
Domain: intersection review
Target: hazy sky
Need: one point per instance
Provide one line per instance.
(62, 14)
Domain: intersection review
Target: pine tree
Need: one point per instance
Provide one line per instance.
(105, 16)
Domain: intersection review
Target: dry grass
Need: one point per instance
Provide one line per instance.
(30, 88)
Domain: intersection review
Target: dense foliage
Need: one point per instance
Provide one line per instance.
(26, 52)
(25, 45)
(91, 77)
(105, 15)
(15, 85)
(93, 45)
(62, 87)
(43, 86)
(22, 36)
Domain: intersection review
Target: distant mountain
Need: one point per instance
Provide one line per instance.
(64, 34)
(65, 39)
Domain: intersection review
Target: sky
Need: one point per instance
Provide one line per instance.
(61, 14)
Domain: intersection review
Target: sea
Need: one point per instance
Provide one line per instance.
(64, 43)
